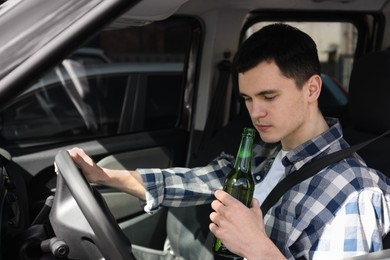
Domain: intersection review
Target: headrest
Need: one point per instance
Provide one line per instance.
(369, 93)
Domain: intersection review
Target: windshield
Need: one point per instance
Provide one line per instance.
(36, 35)
(26, 26)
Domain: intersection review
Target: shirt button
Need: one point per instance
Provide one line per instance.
(258, 177)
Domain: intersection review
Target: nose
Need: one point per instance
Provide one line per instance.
(256, 110)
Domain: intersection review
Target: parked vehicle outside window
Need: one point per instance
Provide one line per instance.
(124, 80)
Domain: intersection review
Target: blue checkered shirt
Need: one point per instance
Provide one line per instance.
(342, 211)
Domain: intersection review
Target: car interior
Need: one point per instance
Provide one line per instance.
(367, 112)
(149, 84)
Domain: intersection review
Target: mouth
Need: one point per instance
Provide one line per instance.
(263, 128)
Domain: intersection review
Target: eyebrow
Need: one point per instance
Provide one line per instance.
(262, 93)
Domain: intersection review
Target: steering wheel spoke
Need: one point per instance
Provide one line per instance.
(81, 217)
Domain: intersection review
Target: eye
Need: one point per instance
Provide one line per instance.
(269, 97)
(246, 99)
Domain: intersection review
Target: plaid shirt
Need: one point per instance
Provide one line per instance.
(319, 218)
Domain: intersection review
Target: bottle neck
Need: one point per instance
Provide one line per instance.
(244, 154)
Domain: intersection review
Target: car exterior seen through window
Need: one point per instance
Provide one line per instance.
(122, 81)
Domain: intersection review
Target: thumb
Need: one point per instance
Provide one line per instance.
(256, 207)
(255, 203)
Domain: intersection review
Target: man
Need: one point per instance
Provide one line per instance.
(340, 212)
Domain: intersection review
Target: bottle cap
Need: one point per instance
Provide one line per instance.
(248, 131)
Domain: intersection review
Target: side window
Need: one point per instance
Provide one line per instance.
(124, 80)
(336, 45)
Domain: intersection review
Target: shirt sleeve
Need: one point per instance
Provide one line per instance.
(357, 228)
(180, 187)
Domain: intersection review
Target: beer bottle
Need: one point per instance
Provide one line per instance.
(239, 182)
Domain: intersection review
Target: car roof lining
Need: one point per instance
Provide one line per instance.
(198, 7)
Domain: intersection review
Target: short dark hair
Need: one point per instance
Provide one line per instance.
(293, 51)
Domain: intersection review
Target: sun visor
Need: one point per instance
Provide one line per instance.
(147, 11)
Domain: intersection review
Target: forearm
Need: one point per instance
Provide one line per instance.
(127, 181)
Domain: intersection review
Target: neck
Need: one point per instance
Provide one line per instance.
(308, 130)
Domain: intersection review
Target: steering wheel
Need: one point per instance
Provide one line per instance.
(107, 235)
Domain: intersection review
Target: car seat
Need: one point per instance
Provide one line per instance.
(369, 108)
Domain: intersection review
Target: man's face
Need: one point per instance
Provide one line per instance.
(278, 108)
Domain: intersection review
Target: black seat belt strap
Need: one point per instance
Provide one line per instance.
(310, 169)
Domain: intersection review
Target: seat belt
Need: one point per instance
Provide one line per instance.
(310, 169)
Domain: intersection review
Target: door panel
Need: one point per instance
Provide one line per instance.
(140, 158)
(153, 149)
(123, 205)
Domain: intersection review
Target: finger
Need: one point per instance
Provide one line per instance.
(216, 205)
(225, 198)
(255, 203)
(256, 208)
(80, 157)
(213, 217)
(76, 154)
(74, 151)
(213, 228)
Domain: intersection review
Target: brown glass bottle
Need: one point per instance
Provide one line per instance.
(239, 182)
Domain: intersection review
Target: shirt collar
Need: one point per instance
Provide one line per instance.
(329, 141)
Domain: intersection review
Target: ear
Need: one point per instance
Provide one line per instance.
(314, 85)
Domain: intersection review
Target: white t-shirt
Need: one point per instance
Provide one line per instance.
(275, 174)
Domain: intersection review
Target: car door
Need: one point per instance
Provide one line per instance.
(124, 96)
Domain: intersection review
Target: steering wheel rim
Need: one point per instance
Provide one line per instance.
(110, 239)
